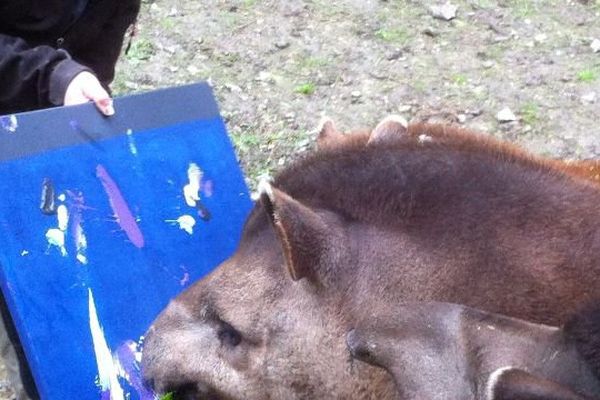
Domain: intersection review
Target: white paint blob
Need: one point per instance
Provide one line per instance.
(186, 222)
(56, 237)
(24, 253)
(192, 189)
(425, 139)
(10, 123)
(107, 371)
(62, 197)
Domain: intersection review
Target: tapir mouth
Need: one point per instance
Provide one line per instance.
(193, 391)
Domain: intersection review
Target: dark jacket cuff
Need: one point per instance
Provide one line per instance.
(62, 75)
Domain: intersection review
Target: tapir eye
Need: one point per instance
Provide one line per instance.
(228, 335)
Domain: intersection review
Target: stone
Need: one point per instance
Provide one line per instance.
(506, 115)
(445, 12)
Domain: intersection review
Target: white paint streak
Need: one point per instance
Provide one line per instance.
(62, 214)
(107, 371)
(56, 236)
(192, 189)
(24, 253)
(81, 244)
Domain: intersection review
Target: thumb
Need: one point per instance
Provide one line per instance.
(84, 87)
(94, 91)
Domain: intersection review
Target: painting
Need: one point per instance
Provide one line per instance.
(103, 221)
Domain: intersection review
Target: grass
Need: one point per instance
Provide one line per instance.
(306, 89)
(167, 396)
(141, 50)
(395, 35)
(529, 113)
(244, 142)
(522, 8)
(587, 75)
(312, 63)
(459, 79)
(167, 23)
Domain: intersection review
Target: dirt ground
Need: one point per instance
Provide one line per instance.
(278, 66)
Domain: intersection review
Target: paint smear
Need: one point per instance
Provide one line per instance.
(119, 206)
(207, 188)
(77, 232)
(131, 142)
(128, 358)
(9, 123)
(107, 372)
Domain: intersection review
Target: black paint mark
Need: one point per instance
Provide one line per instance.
(47, 204)
(203, 212)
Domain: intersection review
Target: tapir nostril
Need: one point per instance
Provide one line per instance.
(352, 341)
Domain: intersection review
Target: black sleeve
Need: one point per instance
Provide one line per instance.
(33, 77)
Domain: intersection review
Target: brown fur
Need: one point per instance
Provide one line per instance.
(471, 221)
(465, 140)
(448, 351)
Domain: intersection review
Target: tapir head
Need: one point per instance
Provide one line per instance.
(266, 324)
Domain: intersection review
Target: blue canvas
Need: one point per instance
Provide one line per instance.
(103, 221)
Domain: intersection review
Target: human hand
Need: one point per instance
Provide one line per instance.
(85, 87)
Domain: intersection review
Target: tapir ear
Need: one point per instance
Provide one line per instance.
(510, 383)
(390, 130)
(301, 232)
(328, 135)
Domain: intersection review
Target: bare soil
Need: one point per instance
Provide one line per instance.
(278, 66)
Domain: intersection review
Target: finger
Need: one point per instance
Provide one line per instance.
(75, 97)
(95, 92)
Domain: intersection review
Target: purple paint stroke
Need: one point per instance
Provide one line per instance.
(207, 188)
(126, 355)
(120, 208)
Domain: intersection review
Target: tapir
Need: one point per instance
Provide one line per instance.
(350, 230)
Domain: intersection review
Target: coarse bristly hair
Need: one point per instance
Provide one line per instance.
(583, 329)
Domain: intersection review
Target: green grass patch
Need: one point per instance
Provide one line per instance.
(529, 113)
(459, 79)
(392, 35)
(245, 141)
(522, 8)
(140, 50)
(587, 75)
(167, 396)
(312, 63)
(306, 89)
(167, 23)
